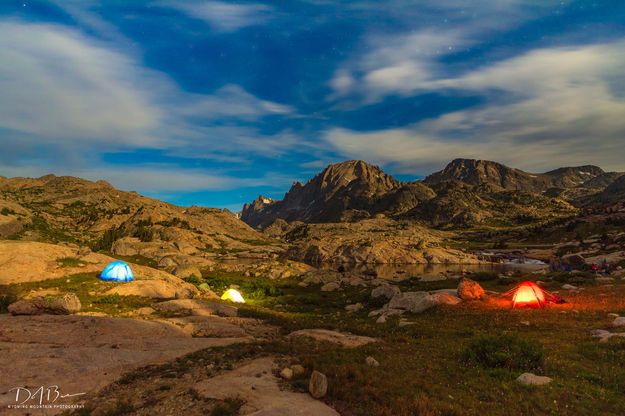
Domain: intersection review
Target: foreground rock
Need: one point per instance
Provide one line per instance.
(318, 385)
(256, 384)
(530, 379)
(156, 289)
(469, 289)
(86, 353)
(62, 305)
(345, 340)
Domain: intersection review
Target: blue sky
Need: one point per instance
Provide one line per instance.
(212, 103)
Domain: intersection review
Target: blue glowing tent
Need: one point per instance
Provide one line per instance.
(117, 271)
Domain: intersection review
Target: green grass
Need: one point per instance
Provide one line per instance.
(88, 287)
(70, 262)
(505, 351)
(460, 360)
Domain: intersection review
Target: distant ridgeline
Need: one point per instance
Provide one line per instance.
(465, 193)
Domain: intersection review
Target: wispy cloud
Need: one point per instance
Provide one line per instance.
(403, 62)
(224, 16)
(77, 95)
(548, 107)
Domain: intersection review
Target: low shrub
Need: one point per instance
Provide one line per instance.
(505, 351)
(5, 301)
(229, 407)
(108, 299)
(70, 262)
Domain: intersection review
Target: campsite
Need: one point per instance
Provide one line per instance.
(463, 355)
(312, 208)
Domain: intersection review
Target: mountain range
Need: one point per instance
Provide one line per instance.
(465, 193)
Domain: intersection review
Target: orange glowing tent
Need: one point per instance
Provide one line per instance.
(529, 294)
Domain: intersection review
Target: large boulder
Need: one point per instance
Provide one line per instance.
(412, 301)
(387, 291)
(126, 246)
(187, 270)
(156, 289)
(63, 305)
(469, 289)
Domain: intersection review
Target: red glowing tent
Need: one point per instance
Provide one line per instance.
(529, 294)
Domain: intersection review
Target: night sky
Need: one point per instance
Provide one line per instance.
(212, 103)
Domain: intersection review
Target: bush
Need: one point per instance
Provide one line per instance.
(108, 299)
(6, 211)
(229, 407)
(144, 234)
(5, 301)
(193, 279)
(505, 351)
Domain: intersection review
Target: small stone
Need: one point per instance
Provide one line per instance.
(569, 287)
(372, 362)
(286, 373)
(613, 315)
(381, 319)
(620, 321)
(526, 323)
(530, 379)
(599, 333)
(318, 385)
(297, 370)
(354, 307)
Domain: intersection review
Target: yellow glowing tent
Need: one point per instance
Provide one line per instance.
(233, 296)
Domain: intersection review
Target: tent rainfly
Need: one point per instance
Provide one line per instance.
(529, 294)
(233, 296)
(117, 271)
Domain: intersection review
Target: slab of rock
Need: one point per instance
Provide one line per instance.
(469, 289)
(187, 270)
(86, 353)
(412, 301)
(530, 379)
(330, 287)
(63, 305)
(569, 287)
(345, 340)
(196, 307)
(387, 291)
(444, 298)
(256, 384)
(155, 289)
(318, 385)
(208, 327)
